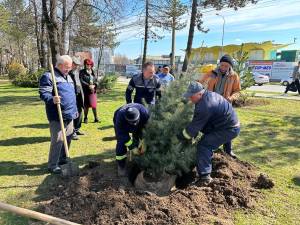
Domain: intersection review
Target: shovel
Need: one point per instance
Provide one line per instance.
(70, 168)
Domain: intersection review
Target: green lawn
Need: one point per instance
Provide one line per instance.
(270, 139)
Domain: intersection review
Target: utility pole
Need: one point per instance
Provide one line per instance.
(222, 50)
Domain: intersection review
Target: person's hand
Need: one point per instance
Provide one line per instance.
(183, 139)
(56, 99)
(92, 87)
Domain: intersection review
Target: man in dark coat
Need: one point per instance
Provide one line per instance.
(215, 117)
(146, 85)
(74, 73)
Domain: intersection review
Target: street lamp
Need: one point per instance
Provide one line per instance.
(223, 32)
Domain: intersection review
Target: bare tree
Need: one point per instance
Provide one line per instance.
(196, 19)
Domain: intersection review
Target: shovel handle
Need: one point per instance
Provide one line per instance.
(62, 126)
(34, 215)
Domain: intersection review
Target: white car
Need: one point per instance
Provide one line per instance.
(286, 81)
(260, 79)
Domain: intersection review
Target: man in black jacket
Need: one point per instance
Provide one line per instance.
(79, 97)
(146, 85)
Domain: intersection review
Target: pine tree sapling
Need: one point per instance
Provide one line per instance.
(243, 70)
(164, 153)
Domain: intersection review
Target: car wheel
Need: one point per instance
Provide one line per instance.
(285, 83)
(260, 84)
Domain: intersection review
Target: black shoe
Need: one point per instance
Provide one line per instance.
(203, 180)
(232, 154)
(85, 120)
(97, 120)
(74, 136)
(79, 132)
(56, 170)
(62, 162)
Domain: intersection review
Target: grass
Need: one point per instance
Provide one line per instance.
(270, 139)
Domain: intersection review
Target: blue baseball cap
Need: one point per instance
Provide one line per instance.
(193, 88)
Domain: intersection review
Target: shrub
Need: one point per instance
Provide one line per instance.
(29, 79)
(16, 69)
(107, 82)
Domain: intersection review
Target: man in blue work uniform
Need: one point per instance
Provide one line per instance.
(130, 118)
(216, 119)
(146, 85)
(165, 78)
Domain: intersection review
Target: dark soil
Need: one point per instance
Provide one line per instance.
(97, 196)
(251, 102)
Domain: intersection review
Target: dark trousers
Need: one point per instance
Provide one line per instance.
(297, 83)
(227, 147)
(78, 120)
(208, 143)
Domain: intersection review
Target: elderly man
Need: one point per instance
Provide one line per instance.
(224, 81)
(296, 76)
(216, 119)
(74, 73)
(146, 85)
(67, 99)
(165, 77)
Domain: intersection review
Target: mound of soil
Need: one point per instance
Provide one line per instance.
(98, 196)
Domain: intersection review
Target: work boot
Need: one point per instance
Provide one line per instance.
(74, 136)
(55, 170)
(79, 132)
(204, 180)
(97, 120)
(85, 120)
(122, 172)
(232, 154)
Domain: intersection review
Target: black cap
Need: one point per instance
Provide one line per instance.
(227, 58)
(164, 66)
(132, 114)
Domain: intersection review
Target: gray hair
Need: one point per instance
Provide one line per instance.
(61, 59)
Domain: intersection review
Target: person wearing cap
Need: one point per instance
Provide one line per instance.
(130, 118)
(165, 77)
(226, 82)
(89, 85)
(74, 74)
(146, 85)
(215, 117)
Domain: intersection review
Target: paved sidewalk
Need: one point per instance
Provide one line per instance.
(278, 96)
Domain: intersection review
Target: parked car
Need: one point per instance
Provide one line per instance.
(286, 81)
(260, 79)
(132, 74)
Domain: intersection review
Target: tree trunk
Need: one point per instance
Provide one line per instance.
(63, 28)
(37, 34)
(51, 27)
(99, 58)
(43, 44)
(191, 36)
(146, 33)
(173, 44)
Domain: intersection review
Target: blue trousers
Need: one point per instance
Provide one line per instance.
(210, 142)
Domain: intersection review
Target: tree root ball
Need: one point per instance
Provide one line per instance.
(161, 187)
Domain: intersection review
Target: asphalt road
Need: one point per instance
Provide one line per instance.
(268, 88)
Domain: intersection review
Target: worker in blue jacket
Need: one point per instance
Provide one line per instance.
(129, 119)
(146, 85)
(215, 117)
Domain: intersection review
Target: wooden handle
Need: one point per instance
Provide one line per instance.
(35, 215)
(62, 126)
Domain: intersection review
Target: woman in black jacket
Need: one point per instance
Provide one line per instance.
(89, 85)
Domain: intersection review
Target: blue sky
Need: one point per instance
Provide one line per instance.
(277, 20)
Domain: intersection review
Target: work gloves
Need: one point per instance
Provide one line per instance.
(137, 147)
(184, 138)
